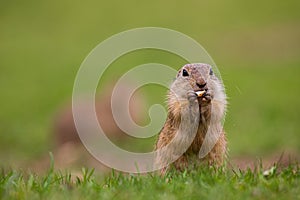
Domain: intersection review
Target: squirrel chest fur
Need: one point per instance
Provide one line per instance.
(193, 132)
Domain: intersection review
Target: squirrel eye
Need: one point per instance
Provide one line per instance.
(185, 73)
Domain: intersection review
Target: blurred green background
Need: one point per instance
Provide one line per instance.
(255, 44)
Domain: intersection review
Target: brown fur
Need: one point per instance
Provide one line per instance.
(198, 73)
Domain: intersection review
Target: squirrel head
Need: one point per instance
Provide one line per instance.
(198, 75)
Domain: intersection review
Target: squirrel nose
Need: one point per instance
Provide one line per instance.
(201, 86)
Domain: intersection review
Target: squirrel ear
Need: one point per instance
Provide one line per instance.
(211, 71)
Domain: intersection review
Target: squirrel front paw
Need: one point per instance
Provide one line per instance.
(206, 98)
(192, 96)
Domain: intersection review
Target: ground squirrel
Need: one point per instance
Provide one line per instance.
(193, 131)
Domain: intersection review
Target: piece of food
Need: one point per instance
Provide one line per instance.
(200, 93)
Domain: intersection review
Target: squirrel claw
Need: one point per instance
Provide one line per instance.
(206, 98)
(192, 96)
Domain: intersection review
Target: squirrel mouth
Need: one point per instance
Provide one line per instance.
(200, 93)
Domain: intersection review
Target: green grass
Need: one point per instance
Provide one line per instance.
(255, 45)
(204, 183)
